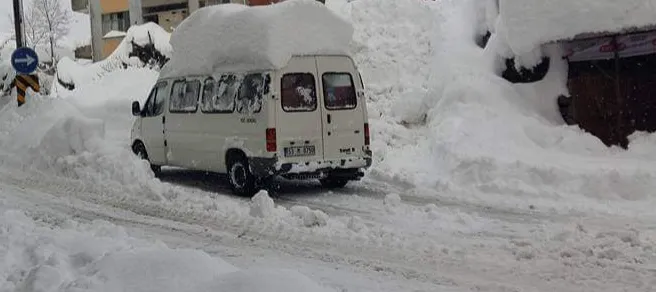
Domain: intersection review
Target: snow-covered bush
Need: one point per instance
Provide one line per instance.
(144, 45)
(7, 74)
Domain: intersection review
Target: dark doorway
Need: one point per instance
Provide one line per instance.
(613, 98)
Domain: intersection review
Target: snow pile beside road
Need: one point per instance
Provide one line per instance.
(53, 136)
(395, 64)
(491, 136)
(99, 256)
(263, 206)
(240, 38)
(465, 130)
(7, 74)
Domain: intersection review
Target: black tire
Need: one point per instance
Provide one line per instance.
(333, 183)
(242, 181)
(140, 150)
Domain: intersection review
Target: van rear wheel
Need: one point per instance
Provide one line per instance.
(242, 181)
(333, 183)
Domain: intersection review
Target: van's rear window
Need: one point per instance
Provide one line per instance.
(299, 92)
(338, 91)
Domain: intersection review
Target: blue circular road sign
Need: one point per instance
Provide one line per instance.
(24, 60)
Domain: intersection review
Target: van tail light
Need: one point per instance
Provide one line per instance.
(271, 145)
(367, 137)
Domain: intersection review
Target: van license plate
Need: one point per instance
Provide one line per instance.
(300, 151)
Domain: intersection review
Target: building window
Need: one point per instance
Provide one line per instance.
(115, 21)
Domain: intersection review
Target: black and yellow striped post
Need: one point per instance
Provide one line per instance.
(23, 82)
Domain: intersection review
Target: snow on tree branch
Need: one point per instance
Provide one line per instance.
(45, 23)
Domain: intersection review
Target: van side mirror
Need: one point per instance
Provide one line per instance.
(136, 108)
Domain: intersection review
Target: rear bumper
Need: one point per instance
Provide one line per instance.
(348, 168)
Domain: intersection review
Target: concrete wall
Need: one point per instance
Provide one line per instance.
(171, 19)
(95, 14)
(112, 6)
(110, 45)
(78, 5)
(151, 3)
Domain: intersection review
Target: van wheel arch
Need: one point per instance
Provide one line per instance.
(139, 149)
(137, 142)
(234, 154)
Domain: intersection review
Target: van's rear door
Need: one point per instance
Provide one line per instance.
(298, 118)
(343, 116)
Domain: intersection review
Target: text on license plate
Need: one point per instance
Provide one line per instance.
(300, 151)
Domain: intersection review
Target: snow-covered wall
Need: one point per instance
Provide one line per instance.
(528, 23)
(236, 37)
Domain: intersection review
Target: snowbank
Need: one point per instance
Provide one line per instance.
(239, 38)
(526, 24)
(263, 206)
(7, 74)
(395, 64)
(49, 135)
(102, 257)
(476, 136)
(144, 45)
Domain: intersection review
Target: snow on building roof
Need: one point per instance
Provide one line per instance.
(115, 34)
(239, 38)
(528, 23)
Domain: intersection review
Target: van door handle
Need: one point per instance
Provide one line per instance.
(329, 119)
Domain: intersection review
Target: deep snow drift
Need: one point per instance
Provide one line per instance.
(235, 37)
(486, 139)
(71, 256)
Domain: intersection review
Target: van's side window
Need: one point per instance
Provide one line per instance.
(251, 93)
(219, 97)
(298, 92)
(155, 104)
(160, 98)
(147, 110)
(338, 91)
(184, 96)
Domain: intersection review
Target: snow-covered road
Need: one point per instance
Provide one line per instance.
(466, 194)
(372, 242)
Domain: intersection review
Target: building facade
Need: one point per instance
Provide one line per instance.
(110, 19)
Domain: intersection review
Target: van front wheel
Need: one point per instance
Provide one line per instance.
(242, 181)
(333, 183)
(140, 151)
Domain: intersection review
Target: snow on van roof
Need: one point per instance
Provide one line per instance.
(529, 23)
(235, 37)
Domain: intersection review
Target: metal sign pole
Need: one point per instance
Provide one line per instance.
(18, 22)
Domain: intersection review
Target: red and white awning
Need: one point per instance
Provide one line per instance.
(603, 48)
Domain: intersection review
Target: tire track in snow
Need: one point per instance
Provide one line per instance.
(382, 252)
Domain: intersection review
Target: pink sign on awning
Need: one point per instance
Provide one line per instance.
(604, 49)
